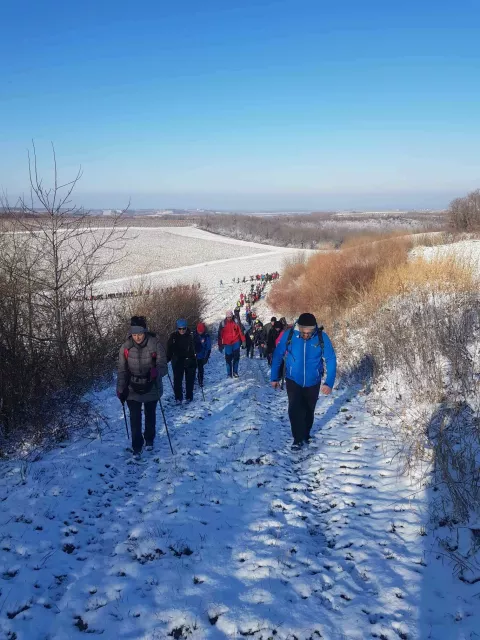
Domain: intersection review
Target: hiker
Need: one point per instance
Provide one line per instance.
(268, 327)
(181, 353)
(230, 337)
(250, 340)
(303, 349)
(273, 335)
(142, 363)
(203, 347)
(237, 314)
(259, 338)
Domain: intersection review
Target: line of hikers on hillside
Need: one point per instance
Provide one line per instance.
(296, 354)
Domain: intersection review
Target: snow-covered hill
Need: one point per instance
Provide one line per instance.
(235, 536)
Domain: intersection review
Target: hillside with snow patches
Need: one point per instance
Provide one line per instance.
(234, 536)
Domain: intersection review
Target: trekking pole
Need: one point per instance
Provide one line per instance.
(125, 417)
(165, 423)
(203, 394)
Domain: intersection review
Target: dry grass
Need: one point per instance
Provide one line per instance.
(163, 307)
(331, 283)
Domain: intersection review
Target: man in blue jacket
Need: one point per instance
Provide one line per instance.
(305, 347)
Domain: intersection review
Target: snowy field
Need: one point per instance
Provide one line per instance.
(151, 250)
(240, 258)
(466, 250)
(234, 536)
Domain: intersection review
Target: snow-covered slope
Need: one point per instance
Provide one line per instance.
(234, 536)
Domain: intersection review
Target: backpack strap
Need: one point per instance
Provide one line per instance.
(321, 343)
(125, 353)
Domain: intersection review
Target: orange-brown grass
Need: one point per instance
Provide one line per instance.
(332, 282)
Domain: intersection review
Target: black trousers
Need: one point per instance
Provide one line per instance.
(200, 367)
(301, 409)
(135, 409)
(179, 371)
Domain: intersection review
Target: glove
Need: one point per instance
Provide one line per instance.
(122, 395)
(220, 348)
(243, 345)
(153, 373)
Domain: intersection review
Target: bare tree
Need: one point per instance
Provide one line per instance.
(464, 213)
(55, 338)
(69, 253)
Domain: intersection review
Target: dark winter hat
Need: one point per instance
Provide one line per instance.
(278, 325)
(273, 319)
(138, 324)
(307, 320)
(181, 323)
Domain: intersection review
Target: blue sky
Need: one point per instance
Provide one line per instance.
(250, 104)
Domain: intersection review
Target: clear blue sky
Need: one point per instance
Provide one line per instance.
(245, 103)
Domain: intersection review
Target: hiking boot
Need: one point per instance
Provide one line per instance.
(235, 375)
(137, 455)
(178, 401)
(296, 446)
(149, 446)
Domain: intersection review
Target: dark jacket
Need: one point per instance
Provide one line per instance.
(135, 362)
(259, 334)
(272, 339)
(181, 348)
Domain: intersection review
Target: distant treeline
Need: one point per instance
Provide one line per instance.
(314, 230)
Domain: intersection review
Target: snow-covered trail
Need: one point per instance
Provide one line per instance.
(234, 536)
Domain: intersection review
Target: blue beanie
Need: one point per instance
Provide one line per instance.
(181, 323)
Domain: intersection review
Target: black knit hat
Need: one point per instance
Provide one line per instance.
(138, 324)
(307, 320)
(278, 325)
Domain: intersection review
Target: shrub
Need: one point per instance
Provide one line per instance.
(464, 213)
(162, 308)
(331, 282)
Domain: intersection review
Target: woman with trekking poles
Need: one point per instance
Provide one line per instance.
(142, 363)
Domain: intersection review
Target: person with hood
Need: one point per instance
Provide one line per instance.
(142, 363)
(230, 337)
(259, 338)
(269, 326)
(203, 347)
(250, 340)
(303, 349)
(273, 334)
(181, 353)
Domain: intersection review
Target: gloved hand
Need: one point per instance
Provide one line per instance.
(243, 345)
(122, 395)
(220, 348)
(153, 373)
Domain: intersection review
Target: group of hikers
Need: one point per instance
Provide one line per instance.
(260, 277)
(296, 354)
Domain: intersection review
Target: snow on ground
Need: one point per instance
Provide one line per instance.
(467, 250)
(154, 250)
(233, 536)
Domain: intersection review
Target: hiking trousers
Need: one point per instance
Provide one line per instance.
(232, 356)
(179, 371)
(200, 367)
(301, 409)
(135, 410)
